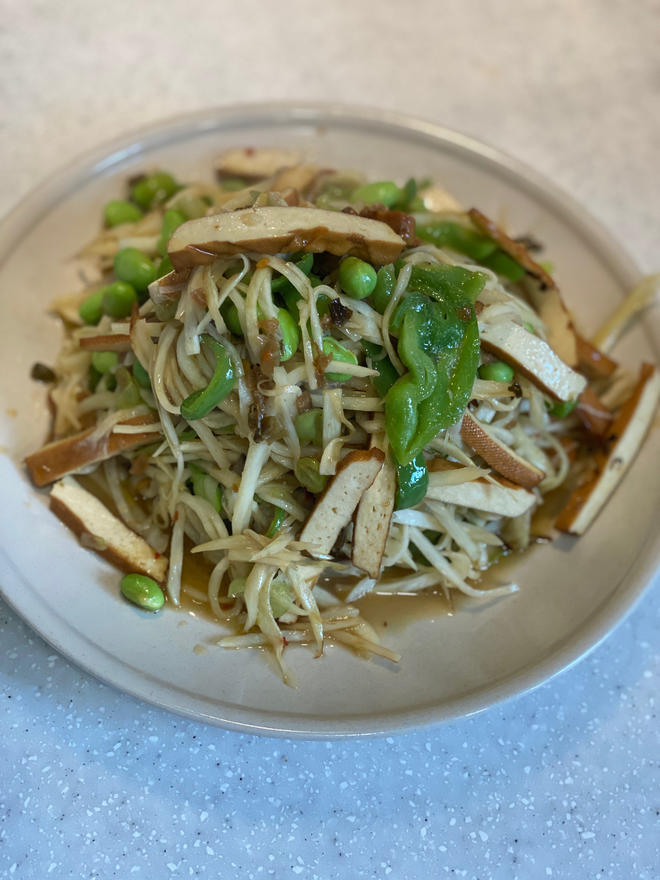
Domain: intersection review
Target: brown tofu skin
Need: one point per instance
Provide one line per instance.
(62, 457)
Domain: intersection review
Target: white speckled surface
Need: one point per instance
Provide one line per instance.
(563, 782)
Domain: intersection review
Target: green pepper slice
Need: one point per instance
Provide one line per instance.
(413, 482)
(201, 402)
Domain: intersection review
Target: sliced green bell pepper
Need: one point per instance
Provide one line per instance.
(201, 402)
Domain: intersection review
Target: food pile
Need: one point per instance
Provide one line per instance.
(317, 387)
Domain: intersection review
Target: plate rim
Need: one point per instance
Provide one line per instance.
(84, 654)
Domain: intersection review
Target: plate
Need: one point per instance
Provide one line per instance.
(572, 593)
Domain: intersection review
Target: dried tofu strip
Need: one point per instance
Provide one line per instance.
(625, 439)
(282, 230)
(62, 457)
(100, 530)
(250, 163)
(498, 455)
(533, 357)
(355, 473)
(373, 515)
(544, 293)
(498, 496)
(119, 342)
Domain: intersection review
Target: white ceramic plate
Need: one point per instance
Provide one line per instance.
(572, 593)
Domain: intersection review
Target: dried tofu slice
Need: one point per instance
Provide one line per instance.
(532, 357)
(624, 441)
(498, 455)
(501, 497)
(102, 531)
(336, 506)
(543, 292)
(275, 230)
(62, 457)
(373, 517)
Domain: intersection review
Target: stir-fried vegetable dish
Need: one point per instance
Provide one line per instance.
(309, 387)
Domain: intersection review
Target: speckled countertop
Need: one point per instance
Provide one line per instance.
(563, 782)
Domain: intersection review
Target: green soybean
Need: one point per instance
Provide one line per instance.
(303, 261)
(140, 375)
(276, 522)
(134, 267)
(309, 426)
(385, 281)
(308, 474)
(357, 278)
(104, 361)
(563, 408)
(229, 314)
(496, 372)
(172, 219)
(290, 334)
(154, 189)
(93, 378)
(201, 402)
(91, 309)
(118, 211)
(164, 267)
(118, 299)
(205, 486)
(382, 192)
(142, 591)
(323, 305)
(338, 353)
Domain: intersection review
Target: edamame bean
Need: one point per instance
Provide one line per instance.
(91, 309)
(276, 522)
(382, 192)
(154, 189)
(118, 299)
(136, 268)
(104, 361)
(172, 219)
(290, 334)
(496, 372)
(563, 408)
(307, 473)
(164, 267)
(93, 378)
(205, 486)
(140, 375)
(229, 314)
(357, 278)
(309, 426)
(338, 353)
(385, 280)
(119, 211)
(142, 591)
